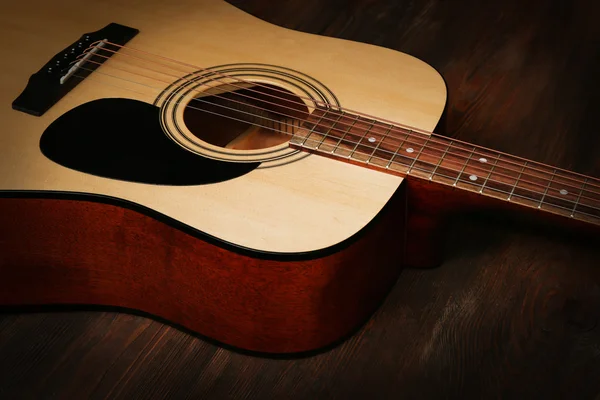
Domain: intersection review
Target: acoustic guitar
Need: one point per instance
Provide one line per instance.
(256, 185)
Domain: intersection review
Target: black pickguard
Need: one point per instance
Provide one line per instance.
(122, 139)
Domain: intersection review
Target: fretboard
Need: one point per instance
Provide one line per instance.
(397, 150)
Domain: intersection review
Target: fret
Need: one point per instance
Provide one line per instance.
(396, 151)
(385, 135)
(588, 207)
(491, 171)
(417, 156)
(477, 171)
(579, 197)
(562, 194)
(525, 196)
(392, 163)
(463, 168)
(517, 182)
(564, 191)
(351, 143)
(391, 159)
(389, 140)
(450, 163)
(348, 129)
(590, 214)
(448, 171)
(326, 135)
(360, 140)
(403, 154)
(593, 214)
(441, 159)
(428, 153)
(547, 188)
(509, 183)
(311, 131)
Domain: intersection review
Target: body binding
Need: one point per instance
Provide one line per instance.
(281, 258)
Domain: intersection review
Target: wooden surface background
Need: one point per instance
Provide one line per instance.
(512, 313)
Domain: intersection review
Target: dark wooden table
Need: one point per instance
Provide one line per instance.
(513, 312)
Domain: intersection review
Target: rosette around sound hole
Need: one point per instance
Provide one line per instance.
(241, 112)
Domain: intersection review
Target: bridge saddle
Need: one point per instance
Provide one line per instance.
(63, 72)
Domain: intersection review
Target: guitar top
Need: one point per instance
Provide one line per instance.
(303, 166)
(132, 143)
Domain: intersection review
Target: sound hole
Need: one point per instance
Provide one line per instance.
(245, 118)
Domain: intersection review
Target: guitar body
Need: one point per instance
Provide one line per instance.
(114, 196)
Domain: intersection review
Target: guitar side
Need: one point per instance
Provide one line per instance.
(283, 259)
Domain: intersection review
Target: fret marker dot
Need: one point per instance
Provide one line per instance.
(410, 150)
(563, 192)
(372, 139)
(483, 160)
(473, 178)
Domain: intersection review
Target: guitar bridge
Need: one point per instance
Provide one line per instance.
(64, 71)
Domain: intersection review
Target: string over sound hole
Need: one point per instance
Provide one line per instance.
(245, 116)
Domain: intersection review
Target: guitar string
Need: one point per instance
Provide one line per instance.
(287, 133)
(377, 119)
(473, 167)
(372, 156)
(422, 146)
(582, 187)
(332, 128)
(337, 121)
(582, 183)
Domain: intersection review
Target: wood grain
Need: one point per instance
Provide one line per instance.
(512, 312)
(270, 215)
(114, 256)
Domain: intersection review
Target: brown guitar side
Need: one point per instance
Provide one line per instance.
(66, 251)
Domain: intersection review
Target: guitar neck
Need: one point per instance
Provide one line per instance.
(406, 152)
